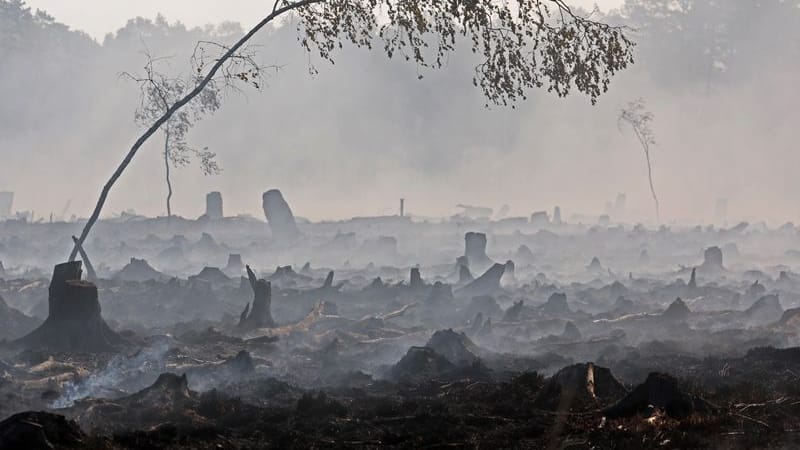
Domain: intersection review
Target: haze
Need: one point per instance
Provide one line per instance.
(350, 142)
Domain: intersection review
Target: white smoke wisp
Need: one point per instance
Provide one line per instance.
(120, 374)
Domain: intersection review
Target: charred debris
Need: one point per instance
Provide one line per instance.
(233, 332)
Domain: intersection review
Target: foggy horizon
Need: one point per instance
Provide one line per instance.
(535, 162)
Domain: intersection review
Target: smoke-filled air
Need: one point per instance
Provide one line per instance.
(399, 224)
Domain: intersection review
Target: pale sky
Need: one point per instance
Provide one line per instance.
(98, 17)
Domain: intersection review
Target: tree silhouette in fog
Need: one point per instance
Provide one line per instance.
(639, 118)
(159, 91)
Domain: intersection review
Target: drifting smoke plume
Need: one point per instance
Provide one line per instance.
(121, 375)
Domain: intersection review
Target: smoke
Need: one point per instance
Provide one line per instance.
(121, 374)
(365, 132)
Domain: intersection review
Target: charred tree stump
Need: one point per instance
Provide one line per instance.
(328, 281)
(416, 279)
(214, 206)
(693, 280)
(260, 315)
(280, 217)
(74, 321)
(475, 250)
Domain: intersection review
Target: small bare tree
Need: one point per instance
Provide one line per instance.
(160, 91)
(521, 45)
(639, 118)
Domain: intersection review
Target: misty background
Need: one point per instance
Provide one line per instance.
(720, 78)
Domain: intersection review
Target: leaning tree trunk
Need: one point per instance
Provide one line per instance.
(169, 182)
(74, 322)
(260, 315)
(91, 275)
(652, 189)
(646, 149)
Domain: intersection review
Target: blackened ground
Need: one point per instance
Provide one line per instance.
(454, 413)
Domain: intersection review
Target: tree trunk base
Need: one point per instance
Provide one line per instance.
(74, 322)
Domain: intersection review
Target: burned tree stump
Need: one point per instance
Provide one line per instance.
(660, 391)
(260, 315)
(416, 279)
(279, 215)
(328, 281)
(578, 387)
(557, 217)
(712, 261)
(475, 250)
(677, 311)
(74, 321)
(213, 206)
(486, 284)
